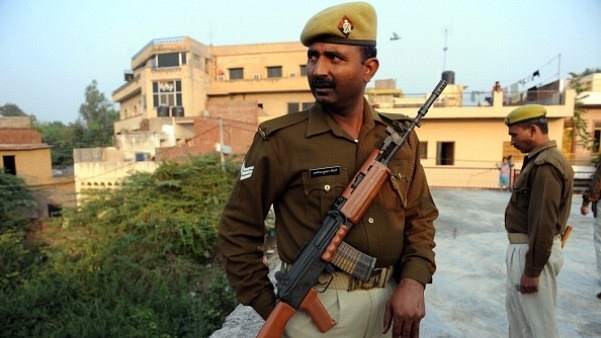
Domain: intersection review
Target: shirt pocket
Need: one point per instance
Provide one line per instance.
(321, 192)
(522, 191)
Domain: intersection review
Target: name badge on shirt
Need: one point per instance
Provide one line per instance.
(324, 171)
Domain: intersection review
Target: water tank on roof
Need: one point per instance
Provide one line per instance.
(449, 76)
(177, 111)
(163, 111)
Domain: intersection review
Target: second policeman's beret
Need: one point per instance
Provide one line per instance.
(352, 23)
(525, 113)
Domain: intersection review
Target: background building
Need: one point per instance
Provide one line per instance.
(183, 97)
(25, 155)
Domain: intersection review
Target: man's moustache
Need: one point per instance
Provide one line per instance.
(321, 83)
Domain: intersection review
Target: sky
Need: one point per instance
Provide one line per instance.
(51, 50)
(467, 296)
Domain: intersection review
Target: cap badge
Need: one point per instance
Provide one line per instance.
(346, 26)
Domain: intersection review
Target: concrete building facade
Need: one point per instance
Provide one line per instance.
(183, 97)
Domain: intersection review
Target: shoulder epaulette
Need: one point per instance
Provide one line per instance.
(268, 127)
(395, 120)
(394, 117)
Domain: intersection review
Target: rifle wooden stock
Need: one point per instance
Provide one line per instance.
(276, 323)
(295, 286)
(566, 234)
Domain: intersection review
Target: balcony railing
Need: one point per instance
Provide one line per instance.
(482, 98)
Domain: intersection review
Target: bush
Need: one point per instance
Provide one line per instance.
(131, 262)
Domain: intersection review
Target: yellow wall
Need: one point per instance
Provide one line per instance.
(33, 165)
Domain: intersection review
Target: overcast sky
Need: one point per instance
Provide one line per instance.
(51, 50)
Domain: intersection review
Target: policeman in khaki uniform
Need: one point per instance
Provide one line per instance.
(535, 217)
(301, 162)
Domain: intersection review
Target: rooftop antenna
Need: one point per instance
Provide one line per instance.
(211, 33)
(444, 50)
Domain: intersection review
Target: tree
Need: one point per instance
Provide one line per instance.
(15, 201)
(97, 116)
(62, 138)
(10, 109)
(135, 261)
(16, 257)
(580, 125)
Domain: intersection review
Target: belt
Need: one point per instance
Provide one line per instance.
(517, 238)
(520, 238)
(340, 280)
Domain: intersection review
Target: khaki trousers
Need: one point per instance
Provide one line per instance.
(532, 315)
(358, 314)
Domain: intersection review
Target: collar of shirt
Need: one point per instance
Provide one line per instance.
(538, 149)
(321, 122)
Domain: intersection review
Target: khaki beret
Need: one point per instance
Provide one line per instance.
(525, 113)
(352, 23)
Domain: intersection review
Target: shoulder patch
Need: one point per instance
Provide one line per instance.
(268, 127)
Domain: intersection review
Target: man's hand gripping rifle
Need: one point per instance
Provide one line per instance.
(295, 286)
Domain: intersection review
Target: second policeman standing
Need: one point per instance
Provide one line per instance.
(300, 163)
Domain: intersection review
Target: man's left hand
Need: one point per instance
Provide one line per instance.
(528, 284)
(405, 309)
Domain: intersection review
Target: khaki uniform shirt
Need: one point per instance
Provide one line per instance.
(301, 163)
(540, 203)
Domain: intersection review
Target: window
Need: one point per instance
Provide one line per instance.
(169, 60)
(293, 107)
(306, 105)
(596, 137)
(167, 93)
(303, 70)
(445, 153)
(423, 150)
(274, 71)
(236, 73)
(9, 164)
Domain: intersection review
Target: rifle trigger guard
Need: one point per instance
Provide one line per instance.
(325, 285)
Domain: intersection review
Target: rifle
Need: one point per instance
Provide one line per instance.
(295, 286)
(565, 235)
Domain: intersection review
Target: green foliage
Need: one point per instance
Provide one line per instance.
(578, 121)
(62, 138)
(177, 207)
(11, 109)
(94, 128)
(15, 200)
(98, 117)
(131, 262)
(17, 258)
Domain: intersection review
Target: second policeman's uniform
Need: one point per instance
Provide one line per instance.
(535, 218)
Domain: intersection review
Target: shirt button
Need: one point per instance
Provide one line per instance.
(327, 187)
(370, 220)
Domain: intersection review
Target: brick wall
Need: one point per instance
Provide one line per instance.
(20, 136)
(239, 119)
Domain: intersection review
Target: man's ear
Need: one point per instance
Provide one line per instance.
(534, 129)
(370, 67)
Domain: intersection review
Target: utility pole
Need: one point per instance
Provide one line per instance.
(221, 143)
